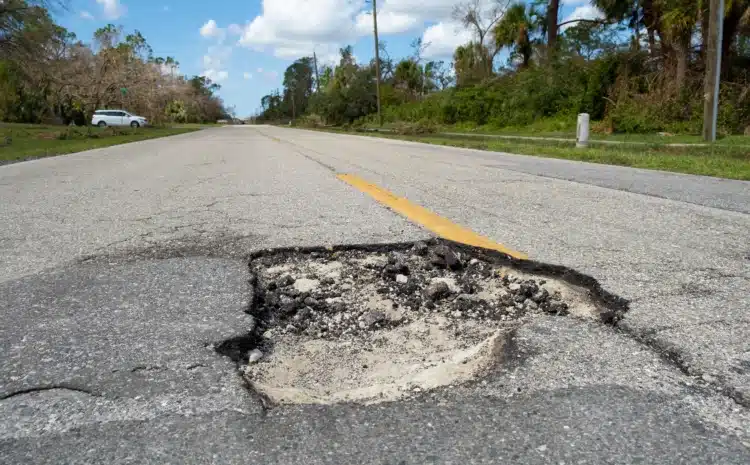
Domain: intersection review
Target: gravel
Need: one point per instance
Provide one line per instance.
(371, 291)
(367, 326)
(254, 356)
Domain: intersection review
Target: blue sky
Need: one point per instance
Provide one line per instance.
(245, 45)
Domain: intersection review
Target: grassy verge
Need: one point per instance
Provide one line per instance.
(568, 131)
(729, 160)
(23, 142)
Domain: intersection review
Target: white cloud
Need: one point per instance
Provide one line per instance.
(215, 75)
(112, 9)
(441, 39)
(235, 29)
(214, 63)
(389, 22)
(437, 10)
(216, 57)
(295, 20)
(583, 12)
(247, 76)
(211, 29)
(86, 15)
(270, 75)
(289, 27)
(293, 28)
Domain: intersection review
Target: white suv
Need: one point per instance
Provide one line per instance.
(104, 118)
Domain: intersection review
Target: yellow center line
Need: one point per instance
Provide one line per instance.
(443, 227)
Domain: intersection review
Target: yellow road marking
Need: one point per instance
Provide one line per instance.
(427, 219)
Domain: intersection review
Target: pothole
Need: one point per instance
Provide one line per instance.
(376, 324)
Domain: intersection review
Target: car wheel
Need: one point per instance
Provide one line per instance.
(134, 124)
(101, 124)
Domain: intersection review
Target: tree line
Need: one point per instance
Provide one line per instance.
(48, 75)
(638, 67)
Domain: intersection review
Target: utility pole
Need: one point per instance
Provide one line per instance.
(317, 78)
(713, 70)
(377, 57)
(294, 110)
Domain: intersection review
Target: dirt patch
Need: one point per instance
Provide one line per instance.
(375, 325)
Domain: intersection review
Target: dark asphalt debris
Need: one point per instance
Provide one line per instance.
(347, 292)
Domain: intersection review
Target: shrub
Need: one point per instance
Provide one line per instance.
(420, 127)
(311, 121)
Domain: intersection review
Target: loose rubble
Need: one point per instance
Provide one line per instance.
(321, 314)
(341, 300)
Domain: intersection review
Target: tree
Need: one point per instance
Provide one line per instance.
(630, 78)
(553, 12)
(516, 30)
(438, 75)
(386, 62)
(326, 77)
(679, 23)
(637, 14)
(469, 63)
(49, 75)
(408, 76)
(298, 84)
(480, 17)
(344, 72)
(22, 15)
(588, 39)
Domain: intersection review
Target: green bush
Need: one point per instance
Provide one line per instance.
(311, 121)
(421, 127)
(624, 90)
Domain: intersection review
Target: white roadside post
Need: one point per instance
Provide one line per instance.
(582, 131)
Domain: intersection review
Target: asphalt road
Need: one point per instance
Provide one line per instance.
(123, 267)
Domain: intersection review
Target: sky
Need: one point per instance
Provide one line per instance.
(245, 45)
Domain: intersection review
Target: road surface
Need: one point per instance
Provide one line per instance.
(124, 266)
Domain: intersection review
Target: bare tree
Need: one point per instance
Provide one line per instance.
(480, 17)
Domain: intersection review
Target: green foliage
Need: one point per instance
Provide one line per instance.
(645, 113)
(421, 127)
(470, 64)
(518, 29)
(518, 99)
(311, 121)
(176, 111)
(639, 69)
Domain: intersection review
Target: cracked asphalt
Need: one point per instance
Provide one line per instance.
(124, 267)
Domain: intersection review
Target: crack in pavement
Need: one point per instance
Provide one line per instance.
(674, 356)
(667, 352)
(50, 387)
(659, 329)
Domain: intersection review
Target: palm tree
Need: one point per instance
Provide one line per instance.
(679, 22)
(408, 76)
(468, 63)
(516, 30)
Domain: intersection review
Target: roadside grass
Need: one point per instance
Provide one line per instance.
(25, 141)
(196, 125)
(566, 130)
(730, 160)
